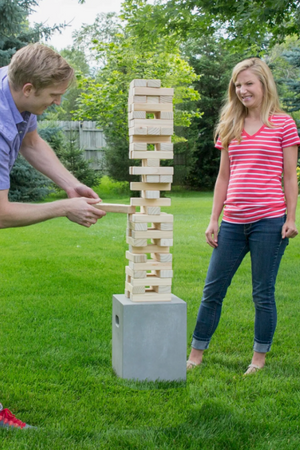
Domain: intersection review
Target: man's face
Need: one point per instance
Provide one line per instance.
(39, 101)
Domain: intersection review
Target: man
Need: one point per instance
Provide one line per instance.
(36, 78)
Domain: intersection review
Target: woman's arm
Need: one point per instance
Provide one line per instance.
(220, 194)
(290, 157)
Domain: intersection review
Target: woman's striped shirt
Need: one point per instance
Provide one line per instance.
(256, 167)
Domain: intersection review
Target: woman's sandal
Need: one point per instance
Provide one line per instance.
(252, 368)
(191, 365)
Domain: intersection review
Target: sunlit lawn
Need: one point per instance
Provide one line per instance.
(57, 281)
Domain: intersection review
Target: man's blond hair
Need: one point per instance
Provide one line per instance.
(39, 65)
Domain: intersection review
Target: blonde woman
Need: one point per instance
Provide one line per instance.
(258, 144)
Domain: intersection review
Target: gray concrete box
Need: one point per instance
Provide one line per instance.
(149, 339)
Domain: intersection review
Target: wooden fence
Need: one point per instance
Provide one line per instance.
(89, 138)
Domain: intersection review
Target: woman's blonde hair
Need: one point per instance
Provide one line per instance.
(233, 113)
(39, 65)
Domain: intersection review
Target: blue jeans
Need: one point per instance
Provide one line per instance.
(263, 240)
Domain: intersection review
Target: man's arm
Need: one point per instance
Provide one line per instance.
(79, 210)
(40, 155)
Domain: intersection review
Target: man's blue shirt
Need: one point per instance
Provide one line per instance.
(13, 127)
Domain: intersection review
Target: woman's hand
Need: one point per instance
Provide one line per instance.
(289, 229)
(211, 233)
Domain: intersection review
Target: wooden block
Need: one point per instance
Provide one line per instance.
(151, 297)
(138, 226)
(166, 179)
(151, 280)
(139, 99)
(136, 258)
(164, 226)
(148, 139)
(115, 208)
(135, 273)
(151, 264)
(138, 186)
(164, 217)
(134, 289)
(134, 170)
(150, 194)
(148, 249)
(164, 273)
(150, 162)
(162, 289)
(163, 242)
(137, 201)
(152, 99)
(153, 210)
(153, 91)
(138, 131)
(138, 146)
(151, 155)
(136, 242)
(138, 83)
(164, 98)
(150, 122)
(137, 115)
(164, 147)
(148, 107)
(154, 131)
(151, 178)
(151, 234)
(162, 257)
(154, 83)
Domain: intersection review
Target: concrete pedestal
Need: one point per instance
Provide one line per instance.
(149, 339)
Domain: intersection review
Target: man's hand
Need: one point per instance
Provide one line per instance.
(81, 190)
(82, 211)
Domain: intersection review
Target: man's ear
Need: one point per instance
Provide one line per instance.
(27, 89)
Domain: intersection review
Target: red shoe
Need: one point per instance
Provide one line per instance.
(8, 420)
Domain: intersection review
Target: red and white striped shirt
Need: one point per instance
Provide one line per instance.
(256, 167)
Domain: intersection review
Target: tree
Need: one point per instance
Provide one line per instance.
(15, 32)
(247, 25)
(214, 63)
(67, 150)
(293, 102)
(104, 99)
(27, 184)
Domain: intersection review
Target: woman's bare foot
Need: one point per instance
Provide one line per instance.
(195, 359)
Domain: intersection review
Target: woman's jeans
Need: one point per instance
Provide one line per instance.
(263, 240)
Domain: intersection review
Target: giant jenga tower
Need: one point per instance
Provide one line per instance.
(150, 231)
(148, 322)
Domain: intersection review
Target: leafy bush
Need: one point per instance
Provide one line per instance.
(110, 188)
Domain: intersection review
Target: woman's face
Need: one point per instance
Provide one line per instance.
(249, 89)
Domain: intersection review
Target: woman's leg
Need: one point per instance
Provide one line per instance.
(266, 249)
(225, 260)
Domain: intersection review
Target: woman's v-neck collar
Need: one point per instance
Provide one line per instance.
(251, 136)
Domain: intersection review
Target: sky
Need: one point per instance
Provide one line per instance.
(52, 12)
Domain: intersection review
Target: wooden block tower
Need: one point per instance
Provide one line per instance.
(150, 231)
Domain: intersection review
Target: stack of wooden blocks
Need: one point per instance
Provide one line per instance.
(150, 231)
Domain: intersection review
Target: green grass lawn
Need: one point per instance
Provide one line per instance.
(57, 282)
